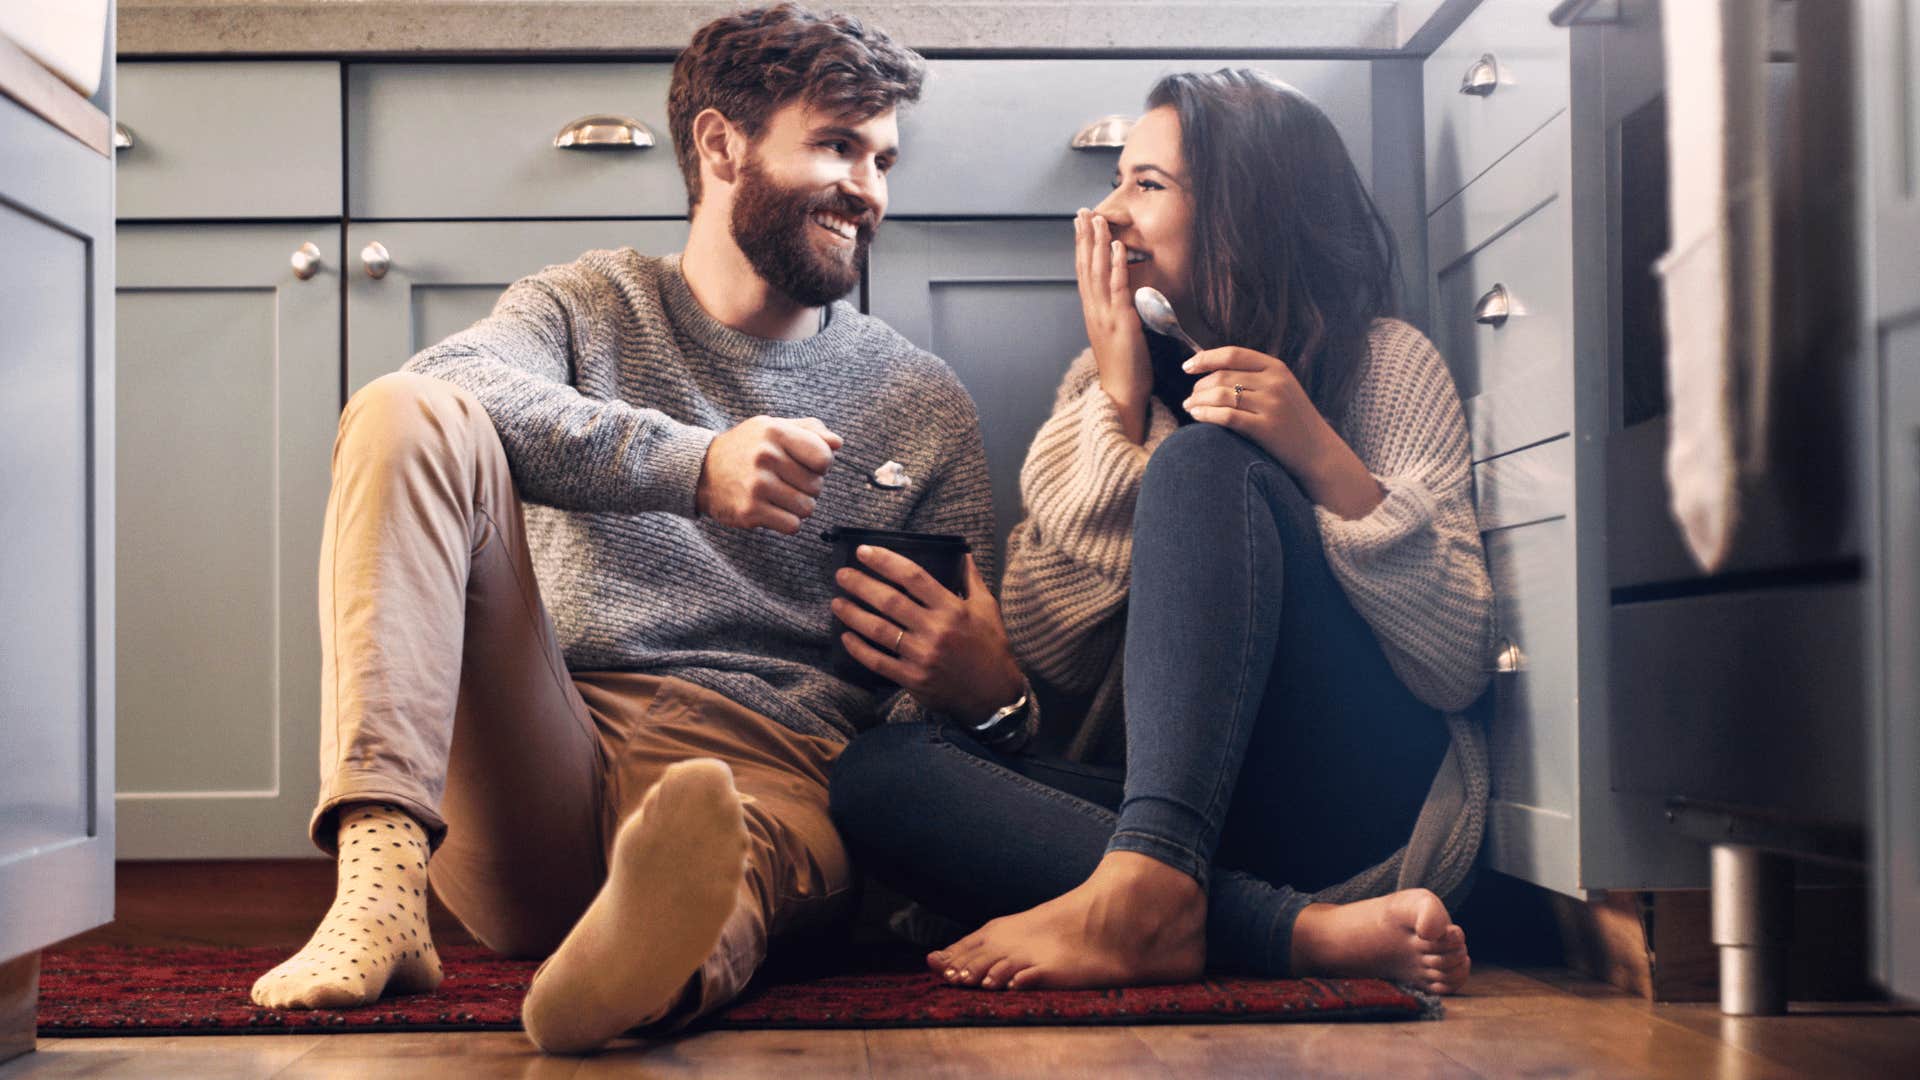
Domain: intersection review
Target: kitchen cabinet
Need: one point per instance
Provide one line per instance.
(439, 277)
(1887, 37)
(228, 398)
(57, 527)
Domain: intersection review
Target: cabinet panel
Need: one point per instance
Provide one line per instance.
(229, 398)
(1509, 235)
(477, 141)
(997, 301)
(1468, 132)
(56, 534)
(258, 139)
(1533, 744)
(445, 276)
(991, 137)
(1525, 487)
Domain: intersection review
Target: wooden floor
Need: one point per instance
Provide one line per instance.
(1526, 1022)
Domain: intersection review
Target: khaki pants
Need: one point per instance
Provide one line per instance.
(444, 692)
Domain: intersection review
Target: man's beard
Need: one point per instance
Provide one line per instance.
(772, 226)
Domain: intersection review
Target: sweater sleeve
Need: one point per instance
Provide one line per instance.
(1414, 567)
(566, 448)
(1069, 560)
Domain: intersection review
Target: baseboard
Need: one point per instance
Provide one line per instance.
(1659, 945)
(19, 1004)
(230, 902)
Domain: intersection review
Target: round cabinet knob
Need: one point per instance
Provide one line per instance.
(375, 258)
(1106, 133)
(1494, 307)
(306, 261)
(1482, 78)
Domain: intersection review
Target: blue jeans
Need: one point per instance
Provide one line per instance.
(1271, 749)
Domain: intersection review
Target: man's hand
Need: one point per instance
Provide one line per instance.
(953, 656)
(765, 473)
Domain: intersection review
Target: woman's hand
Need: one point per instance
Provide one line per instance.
(1273, 409)
(1113, 327)
(953, 655)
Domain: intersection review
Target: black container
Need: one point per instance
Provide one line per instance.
(942, 556)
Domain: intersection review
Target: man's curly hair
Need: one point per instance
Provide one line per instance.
(748, 64)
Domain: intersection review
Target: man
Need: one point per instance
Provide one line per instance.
(636, 787)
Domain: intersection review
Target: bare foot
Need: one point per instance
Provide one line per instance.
(1135, 921)
(1406, 937)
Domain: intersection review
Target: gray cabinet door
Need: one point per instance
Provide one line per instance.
(229, 395)
(996, 300)
(56, 534)
(1888, 41)
(444, 276)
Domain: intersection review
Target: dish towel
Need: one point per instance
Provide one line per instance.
(1717, 278)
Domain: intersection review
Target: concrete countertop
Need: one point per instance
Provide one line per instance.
(641, 27)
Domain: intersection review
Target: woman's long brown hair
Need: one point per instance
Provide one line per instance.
(1291, 257)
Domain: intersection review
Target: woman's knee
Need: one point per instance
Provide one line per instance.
(874, 777)
(1203, 463)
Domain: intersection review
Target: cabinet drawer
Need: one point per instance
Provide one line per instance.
(1467, 132)
(229, 140)
(1508, 236)
(477, 141)
(992, 137)
(1749, 698)
(1533, 741)
(1535, 484)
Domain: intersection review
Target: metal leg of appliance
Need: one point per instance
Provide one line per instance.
(1752, 923)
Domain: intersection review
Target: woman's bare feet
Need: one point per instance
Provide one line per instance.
(1135, 921)
(1406, 937)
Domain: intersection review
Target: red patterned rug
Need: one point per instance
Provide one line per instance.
(107, 990)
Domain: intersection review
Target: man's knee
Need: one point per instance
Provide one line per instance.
(404, 410)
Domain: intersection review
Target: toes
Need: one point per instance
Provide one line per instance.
(1035, 977)
(997, 975)
(1454, 938)
(1430, 919)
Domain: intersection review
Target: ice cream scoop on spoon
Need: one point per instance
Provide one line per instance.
(1157, 315)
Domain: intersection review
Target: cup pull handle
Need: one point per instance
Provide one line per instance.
(1494, 307)
(604, 131)
(1509, 660)
(1106, 133)
(122, 137)
(1482, 77)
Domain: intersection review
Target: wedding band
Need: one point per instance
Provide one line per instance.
(1238, 389)
(897, 640)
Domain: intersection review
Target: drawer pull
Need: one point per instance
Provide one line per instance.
(1509, 659)
(1483, 78)
(1494, 307)
(1106, 133)
(122, 138)
(376, 260)
(306, 261)
(604, 131)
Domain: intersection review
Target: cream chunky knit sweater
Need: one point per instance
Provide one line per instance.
(1413, 568)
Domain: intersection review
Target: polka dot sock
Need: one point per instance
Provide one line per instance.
(676, 870)
(374, 939)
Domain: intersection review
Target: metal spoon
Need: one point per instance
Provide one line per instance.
(1157, 314)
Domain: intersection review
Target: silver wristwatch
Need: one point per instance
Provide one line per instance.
(1007, 726)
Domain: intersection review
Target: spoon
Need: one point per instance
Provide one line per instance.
(1157, 314)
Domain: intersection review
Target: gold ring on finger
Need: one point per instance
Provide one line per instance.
(902, 636)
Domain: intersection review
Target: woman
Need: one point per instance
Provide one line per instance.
(1277, 537)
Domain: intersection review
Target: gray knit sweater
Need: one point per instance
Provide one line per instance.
(607, 380)
(1414, 568)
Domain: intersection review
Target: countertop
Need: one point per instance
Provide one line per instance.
(660, 27)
